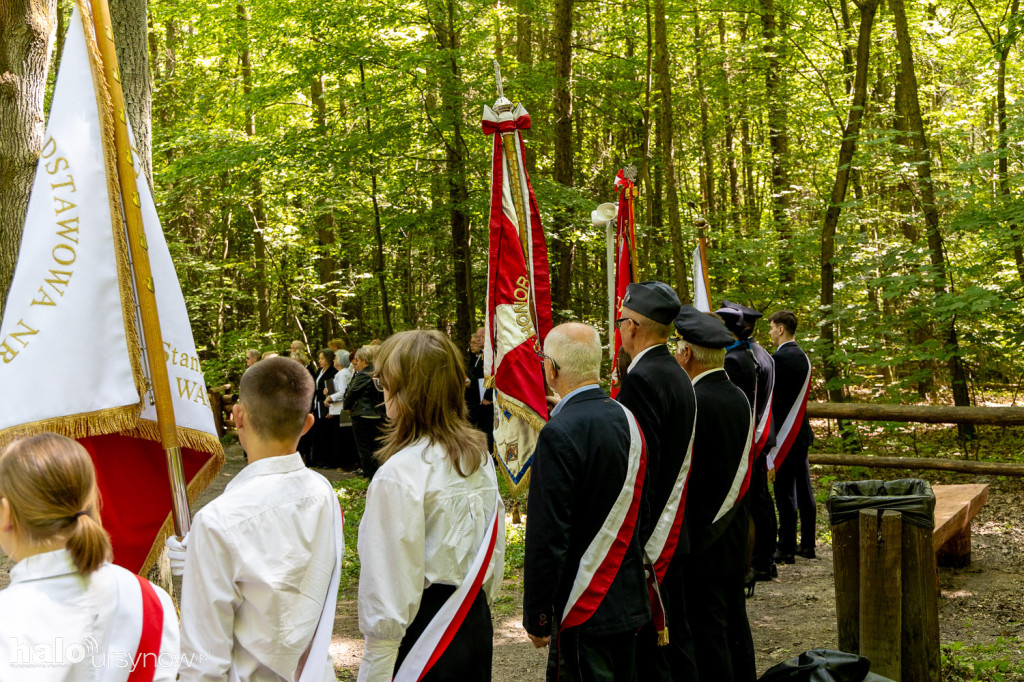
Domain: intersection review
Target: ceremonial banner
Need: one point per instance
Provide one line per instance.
(701, 295)
(518, 298)
(72, 358)
(625, 261)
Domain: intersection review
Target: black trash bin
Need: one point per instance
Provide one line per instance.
(918, 605)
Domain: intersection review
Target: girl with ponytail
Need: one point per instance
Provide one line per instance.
(69, 614)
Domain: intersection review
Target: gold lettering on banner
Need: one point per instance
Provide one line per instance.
(521, 307)
(58, 283)
(6, 351)
(64, 205)
(68, 229)
(192, 390)
(67, 256)
(55, 166)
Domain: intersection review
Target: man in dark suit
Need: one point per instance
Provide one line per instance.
(478, 398)
(762, 507)
(793, 435)
(716, 509)
(658, 392)
(584, 592)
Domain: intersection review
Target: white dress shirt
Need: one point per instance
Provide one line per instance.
(257, 572)
(423, 525)
(341, 380)
(50, 615)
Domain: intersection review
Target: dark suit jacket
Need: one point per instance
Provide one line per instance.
(718, 447)
(362, 399)
(791, 365)
(765, 381)
(742, 370)
(579, 467)
(659, 394)
(319, 409)
(482, 416)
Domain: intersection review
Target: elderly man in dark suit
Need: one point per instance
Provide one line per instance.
(716, 510)
(659, 393)
(584, 578)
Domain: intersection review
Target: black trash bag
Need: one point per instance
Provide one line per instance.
(912, 497)
(823, 665)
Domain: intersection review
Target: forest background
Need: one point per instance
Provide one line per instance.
(320, 171)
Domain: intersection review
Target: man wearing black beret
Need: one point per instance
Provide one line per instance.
(716, 510)
(659, 394)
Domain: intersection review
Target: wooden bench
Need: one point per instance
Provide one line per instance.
(955, 507)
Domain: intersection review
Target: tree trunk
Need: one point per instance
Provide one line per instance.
(378, 261)
(778, 138)
(909, 109)
(128, 18)
(563, 166)
(325, 221)
(664, 101)
(25, 28)
(730, 132)
(708, 171)
(447, 33)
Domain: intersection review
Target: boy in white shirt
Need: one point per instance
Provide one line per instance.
(260, 574)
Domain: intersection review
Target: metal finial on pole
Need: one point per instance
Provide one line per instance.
(630, 173)
(497, 79)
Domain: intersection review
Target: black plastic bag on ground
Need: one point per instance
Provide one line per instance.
(912, 497)
(823, 665)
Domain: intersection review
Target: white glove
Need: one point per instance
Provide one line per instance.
(176, 550)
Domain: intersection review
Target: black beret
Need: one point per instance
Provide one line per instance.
(733, 318)
(748, 312)
(655, 300)
(702, 329)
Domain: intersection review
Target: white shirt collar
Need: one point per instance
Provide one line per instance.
(45, 565)
(558, 408)
(705, 373)
(640, 355)
(282, 464)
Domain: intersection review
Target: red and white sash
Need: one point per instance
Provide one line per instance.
(661, 546)
(601, 560)
(137, 631)
(447, 621)
(764, 423)
(790, 428)
(741, 479)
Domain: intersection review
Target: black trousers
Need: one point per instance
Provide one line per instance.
(677, 661)
(575, 656)
(793, 492)
(468, 656)
(718, 612)
(762, 513)
(366, 432)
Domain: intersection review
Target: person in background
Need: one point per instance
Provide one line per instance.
(65, 596)
(336, 345)
(717, 516)
(583, 534)
(343, 452)
(365, 402)
(324, 440)
(252, 356)
(261, 564)
(793, 437)
(268, 354)
(297, 350)
(478, 398)
(433, 532)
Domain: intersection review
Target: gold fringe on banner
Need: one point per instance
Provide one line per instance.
(509, 403)
(122, 261)
(99, 423)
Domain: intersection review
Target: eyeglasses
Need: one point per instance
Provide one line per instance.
(544, 357)
(377, 384)
(618, 322)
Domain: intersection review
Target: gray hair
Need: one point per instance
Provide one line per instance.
(576, 348)
(367, 354)
(342, 358)
(704, 356)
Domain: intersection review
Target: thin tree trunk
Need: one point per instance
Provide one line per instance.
(128, 18)
(25, 28)
(778, 138)
(325, 222)
(448, 36)
(909, 109)
(708, 170)
(730, 131)
(563, 171)
(378, 264)
(664, 100)
(847, 148)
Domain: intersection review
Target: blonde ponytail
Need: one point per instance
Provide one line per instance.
(50, 485)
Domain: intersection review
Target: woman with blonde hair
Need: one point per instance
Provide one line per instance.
(69, 614)
(432, 537)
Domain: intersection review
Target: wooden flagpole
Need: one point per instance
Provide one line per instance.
(144, 290)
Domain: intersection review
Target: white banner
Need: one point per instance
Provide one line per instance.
(701, 297)
(66, 339)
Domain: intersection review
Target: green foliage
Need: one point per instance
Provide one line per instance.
(352, 495)
(982, 662)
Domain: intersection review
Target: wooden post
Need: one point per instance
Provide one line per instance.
(881, 590)
(846, 568)
(920, 615)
